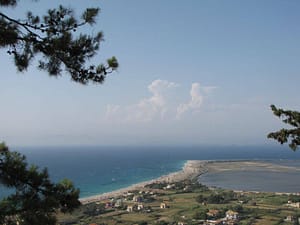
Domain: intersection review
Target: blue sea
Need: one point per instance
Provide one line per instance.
(96, 170)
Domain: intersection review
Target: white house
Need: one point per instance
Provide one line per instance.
(163, 205)
(140, 206)
(129, 208)
(232, 215)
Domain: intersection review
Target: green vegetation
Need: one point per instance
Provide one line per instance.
(192, 206)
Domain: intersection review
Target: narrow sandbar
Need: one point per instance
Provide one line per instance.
(219, 166)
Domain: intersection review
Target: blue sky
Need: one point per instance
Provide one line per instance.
(191, 73)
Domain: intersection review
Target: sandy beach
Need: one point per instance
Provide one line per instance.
(193, 169)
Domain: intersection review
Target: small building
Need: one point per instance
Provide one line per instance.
(213, 213)
(140, 206)
(130, 208)
(187, 188)
(163, 205)
(289, 218)
(294, 204)
(128, 194)
(169, 186)
(119, 203)
(232, 215)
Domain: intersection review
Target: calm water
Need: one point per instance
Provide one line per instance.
(101, 169)
(255, 180)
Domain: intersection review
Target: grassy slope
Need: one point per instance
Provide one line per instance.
(260, 209)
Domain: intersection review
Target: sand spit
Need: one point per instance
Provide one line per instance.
(219, 166)
(193, 169)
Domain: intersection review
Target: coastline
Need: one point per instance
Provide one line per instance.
(190, 170)
(195, 168)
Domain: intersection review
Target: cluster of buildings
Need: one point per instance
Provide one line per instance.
(137, 202)
(292, 219)
(231, 218)
(129, 197)
(141, 207)
(134, 202)
(131, 202)
(293, 204)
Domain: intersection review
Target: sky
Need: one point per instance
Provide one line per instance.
(191, 73)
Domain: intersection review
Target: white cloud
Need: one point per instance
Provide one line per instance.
(112, 110)
(162, 104)
(155, 106)
(195, 102)
(146, 109)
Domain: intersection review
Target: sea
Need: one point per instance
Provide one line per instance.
(95, 170)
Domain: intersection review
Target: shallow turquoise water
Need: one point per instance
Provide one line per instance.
(97, 170)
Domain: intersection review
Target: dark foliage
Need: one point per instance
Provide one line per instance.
(143, 223)
(200, 214)
(93, 209)
(216, 198)
(36, 198)
(156, 185)
(52, 38)
(291, 136)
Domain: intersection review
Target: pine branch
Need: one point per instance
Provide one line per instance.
(291, 136)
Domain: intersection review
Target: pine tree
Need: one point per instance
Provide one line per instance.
(292, 136)
(36, 198)
(53, 36)
(53, 40)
